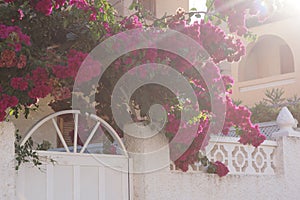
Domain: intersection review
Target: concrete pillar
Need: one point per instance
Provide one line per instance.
(288, 154)
(7, 161)
(149, 150)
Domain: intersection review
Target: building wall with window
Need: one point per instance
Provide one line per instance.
(272, 61)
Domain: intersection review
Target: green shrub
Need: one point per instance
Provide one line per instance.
(269, 108)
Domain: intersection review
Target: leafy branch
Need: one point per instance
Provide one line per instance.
(27, 154)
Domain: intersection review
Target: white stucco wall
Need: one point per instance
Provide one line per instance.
(162, 183)
(7, 161)
(166, 184)
(284, 185)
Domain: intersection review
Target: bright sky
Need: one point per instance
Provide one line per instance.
(199, 4)
(287, 4)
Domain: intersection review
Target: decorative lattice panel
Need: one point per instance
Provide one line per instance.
(240, 159)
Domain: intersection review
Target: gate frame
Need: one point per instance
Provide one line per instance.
(99, 121)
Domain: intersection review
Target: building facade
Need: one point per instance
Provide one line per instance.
(272, 61)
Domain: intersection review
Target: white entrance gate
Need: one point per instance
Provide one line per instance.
(75, 175)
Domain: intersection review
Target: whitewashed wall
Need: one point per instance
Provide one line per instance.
(283, 185)
(280, 181)
(270, 172)
(7, 161)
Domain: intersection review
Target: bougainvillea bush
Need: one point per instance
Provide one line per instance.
(36, 37)
(43, 44)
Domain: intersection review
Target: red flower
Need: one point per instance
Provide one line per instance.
(44, 6)
(59, 3)
(221, 169)
(60, 71)
(2, 115)
(39, 76)
(132, 22)
(7, 101)
(13, 101)
(9, 57)
(39, 91)
(93, 16)
(22, 61)
(19, 83)
(21, 14)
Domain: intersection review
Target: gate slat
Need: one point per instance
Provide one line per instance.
(101, 183)
(76, 182)
(50, 182)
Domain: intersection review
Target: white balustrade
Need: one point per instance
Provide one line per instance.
(239, 158)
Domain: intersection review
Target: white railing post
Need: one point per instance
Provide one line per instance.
(286, 123)
(288, 153)
(7, 161)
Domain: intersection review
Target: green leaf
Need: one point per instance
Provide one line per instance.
(206, 18)
(191, 15)
(11, 112)
(198, 15)
(133, 6)
(209, 3)
(250, 37)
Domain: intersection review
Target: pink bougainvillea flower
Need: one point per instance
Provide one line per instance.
(132, 22)
(2, 115)
(13, 101)
(59, 3)
(93, 17)
(8, 57)
(21, 14)
(22, 61)
(221, 169)
(19, 83)
(80, 4)
(18, 47)
(44, 6)
(7, 101)
(39, 91)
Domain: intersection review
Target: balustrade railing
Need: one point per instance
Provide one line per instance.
(239, 158)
